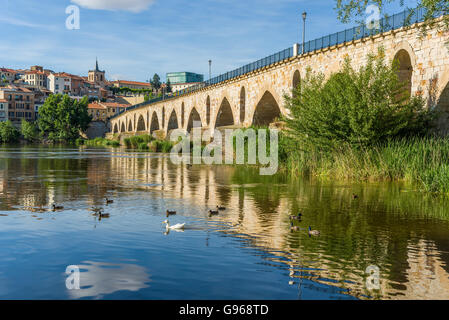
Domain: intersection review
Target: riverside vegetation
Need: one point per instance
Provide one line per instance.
(364, 125)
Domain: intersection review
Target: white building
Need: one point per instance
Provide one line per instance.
(60, 83)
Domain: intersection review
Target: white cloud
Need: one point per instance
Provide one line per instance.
(127, 5)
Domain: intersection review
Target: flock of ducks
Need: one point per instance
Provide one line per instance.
(181, 226)
(298, 218)
(98, 212)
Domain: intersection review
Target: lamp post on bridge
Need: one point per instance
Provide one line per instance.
(304, 16)
(210, 69)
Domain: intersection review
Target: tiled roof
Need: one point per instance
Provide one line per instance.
(137, 83)
(96, 106)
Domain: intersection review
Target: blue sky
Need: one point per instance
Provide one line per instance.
(134, 39)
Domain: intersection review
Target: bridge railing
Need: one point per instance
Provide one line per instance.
(385, 24)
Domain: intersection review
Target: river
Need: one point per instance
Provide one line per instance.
(246, 252)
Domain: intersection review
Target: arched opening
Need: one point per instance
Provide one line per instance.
(141, 124)
(208, 110)
(194, 117)
(123, 129)
(154, 123)
(182, 114)
(130, 125)
(172, 121)
(296, 82)
(115, 128)
(267, 110)
(242, 104)
(405, 68)
(224, 116)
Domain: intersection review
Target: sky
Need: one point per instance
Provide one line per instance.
(133, 39)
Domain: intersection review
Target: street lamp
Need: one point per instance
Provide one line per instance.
(304, 16)
(210, 69)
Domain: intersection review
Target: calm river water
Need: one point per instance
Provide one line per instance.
(246, 252)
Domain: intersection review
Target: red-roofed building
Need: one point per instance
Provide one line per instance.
(131, 84)
(20, 103)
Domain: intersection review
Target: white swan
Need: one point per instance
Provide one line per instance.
(178, 226)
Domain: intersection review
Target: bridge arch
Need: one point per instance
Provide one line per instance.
(224, 116)
(154, 122)
(242, 105)
(130, 125)
(442, 104)
(115, 130)
(194, 116)
(267, 110)
(163, 117)
(182, 114)
(122, 127)
(172, 121)
(208, 110)
(141, 124)
(405, 68)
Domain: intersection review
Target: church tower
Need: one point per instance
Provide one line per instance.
(97, 76)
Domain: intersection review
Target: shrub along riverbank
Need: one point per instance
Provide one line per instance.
(141, 143)
(364, 125)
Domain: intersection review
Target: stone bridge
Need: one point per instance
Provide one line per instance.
(256, 97)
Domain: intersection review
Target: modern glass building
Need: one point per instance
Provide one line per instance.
(184, 77)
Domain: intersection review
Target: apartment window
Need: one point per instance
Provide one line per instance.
(57, 86)
(1, 106)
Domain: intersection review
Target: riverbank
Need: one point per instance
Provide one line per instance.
(141, 143)
(421, 161)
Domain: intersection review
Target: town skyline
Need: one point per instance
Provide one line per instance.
(159, 37)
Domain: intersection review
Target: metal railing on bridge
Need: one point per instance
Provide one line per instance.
(385, 24)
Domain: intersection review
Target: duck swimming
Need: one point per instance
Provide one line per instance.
(293, 228)
(213, 213)
(55, 207)
(221, 208)
(313, 232)
(170, 213)
(297, 217)
(109, 201)
(178, 226)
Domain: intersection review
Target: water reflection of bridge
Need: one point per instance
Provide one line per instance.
(405, 234)
(259, 212)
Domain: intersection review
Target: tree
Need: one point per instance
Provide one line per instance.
(353, 9)
(62, 118)
(8, 133)
(169, 88)
(29, 130)
(156, 82)
(354, 107)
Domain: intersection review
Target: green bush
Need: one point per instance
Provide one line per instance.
(101, 142)
(134, 142)
(356, 108)
(8, 133)
(29, 131)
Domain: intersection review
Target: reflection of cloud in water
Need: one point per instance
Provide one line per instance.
(98, 279)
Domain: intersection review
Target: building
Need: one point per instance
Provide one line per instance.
(7, 75)
(183, 80)
(60, 83)
(97, 76)
(131, 84)
(36, 77)
(102, 111)
(3, 110)
(20, 103)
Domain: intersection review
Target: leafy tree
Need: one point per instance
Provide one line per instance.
(169, 88)
(8, 133)
(354, 9)
(156, 82)
(62, 118)
(29, 130)
(359, 108)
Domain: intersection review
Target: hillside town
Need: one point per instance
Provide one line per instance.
(24, 91)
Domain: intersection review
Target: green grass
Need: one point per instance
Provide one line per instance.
(98, 142)
(136, 141)
(422, 161)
